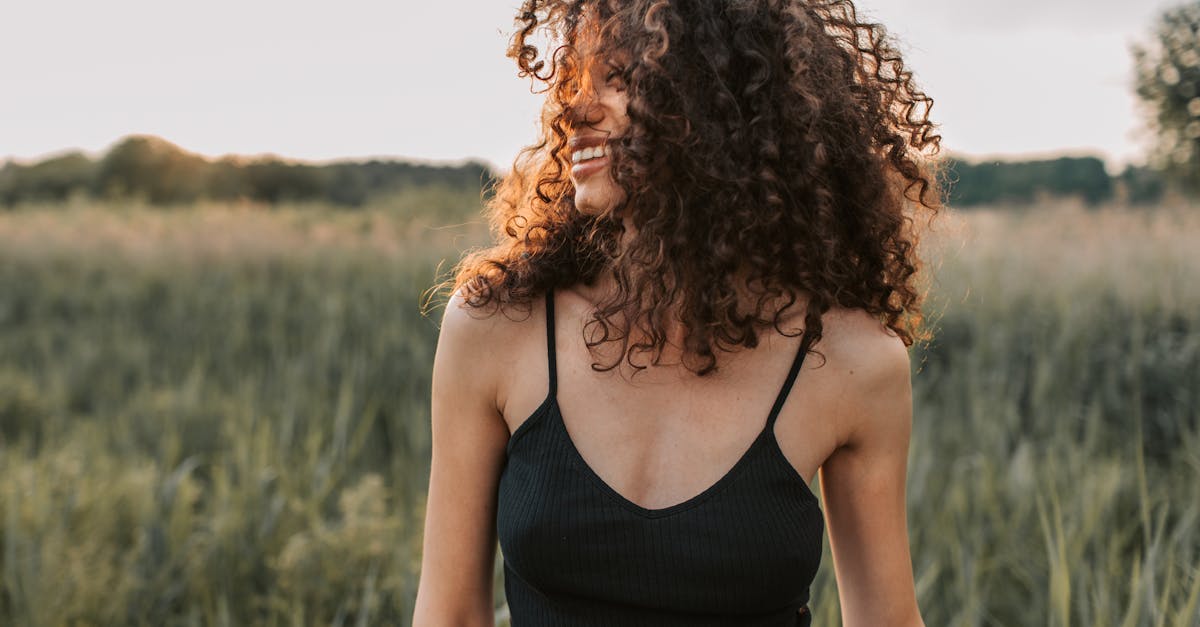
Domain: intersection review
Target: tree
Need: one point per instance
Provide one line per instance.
(152, 168)
(1168, 83)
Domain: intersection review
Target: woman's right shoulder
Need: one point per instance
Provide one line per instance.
(490, 344)
(491, 330)
(479, 322)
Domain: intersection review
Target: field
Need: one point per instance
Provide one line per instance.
(219, 416)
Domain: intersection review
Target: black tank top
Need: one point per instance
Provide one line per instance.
(576, 553)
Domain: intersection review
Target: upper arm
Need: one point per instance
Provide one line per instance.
(468, 447)
(862, 484)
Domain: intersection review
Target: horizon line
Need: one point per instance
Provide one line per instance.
(1111, 165)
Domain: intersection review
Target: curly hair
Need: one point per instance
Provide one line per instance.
(780, 143)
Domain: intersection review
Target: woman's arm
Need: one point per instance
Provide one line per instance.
(468, 448)
(862, 483)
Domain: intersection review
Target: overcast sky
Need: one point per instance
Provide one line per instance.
(429, 80)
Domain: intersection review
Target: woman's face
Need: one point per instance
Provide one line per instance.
(599, 115)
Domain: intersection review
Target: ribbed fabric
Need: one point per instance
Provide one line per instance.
(576, 553)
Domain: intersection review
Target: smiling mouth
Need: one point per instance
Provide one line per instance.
(589, 162)
(587, 154)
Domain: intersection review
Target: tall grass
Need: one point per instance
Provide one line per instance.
(1053, 469)
(219, 415)
(212, 416)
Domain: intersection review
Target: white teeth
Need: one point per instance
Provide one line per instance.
(588, 153)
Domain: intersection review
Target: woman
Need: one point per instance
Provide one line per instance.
(721, 188)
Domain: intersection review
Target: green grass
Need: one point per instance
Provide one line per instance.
(217, 416)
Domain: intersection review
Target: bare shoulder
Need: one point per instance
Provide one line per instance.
(485, 341)
(863, 344)
(479, 328)
(869, 373)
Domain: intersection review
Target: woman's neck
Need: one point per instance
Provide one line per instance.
(604, 288)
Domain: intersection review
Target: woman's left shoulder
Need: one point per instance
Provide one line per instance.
(860, 342)
(867, 381)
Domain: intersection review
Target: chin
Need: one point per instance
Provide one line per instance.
(597, 204)
(590, 209)
(591, 205)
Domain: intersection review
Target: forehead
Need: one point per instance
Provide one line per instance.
(587, 38)
(594, 38)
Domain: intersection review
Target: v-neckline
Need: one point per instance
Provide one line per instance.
(550, 404)
(657, 512)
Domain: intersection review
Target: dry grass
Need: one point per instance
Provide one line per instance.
(212, 232)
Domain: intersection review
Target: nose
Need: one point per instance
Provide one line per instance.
(583, 109)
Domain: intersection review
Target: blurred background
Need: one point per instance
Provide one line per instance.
(219, 226)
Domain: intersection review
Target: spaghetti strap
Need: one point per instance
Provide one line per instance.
(791, 378)
(553, 366)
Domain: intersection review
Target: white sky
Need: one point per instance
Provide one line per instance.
(429, 80)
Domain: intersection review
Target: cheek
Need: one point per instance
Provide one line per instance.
(616, 108)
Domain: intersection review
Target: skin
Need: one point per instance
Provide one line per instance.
(849, 419)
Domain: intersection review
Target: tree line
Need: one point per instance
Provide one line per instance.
(992, 182)
(160, 173)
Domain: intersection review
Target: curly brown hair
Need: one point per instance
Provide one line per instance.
(774, 142)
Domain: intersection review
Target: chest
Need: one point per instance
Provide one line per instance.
(749, 543)
(659, 440)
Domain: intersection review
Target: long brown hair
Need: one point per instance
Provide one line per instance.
(780, 143)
